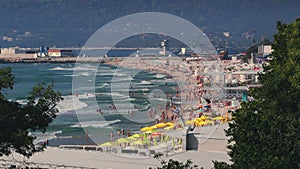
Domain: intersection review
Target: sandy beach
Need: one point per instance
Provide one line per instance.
(212, 149)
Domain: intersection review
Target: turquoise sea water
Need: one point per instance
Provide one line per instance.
(80, 118)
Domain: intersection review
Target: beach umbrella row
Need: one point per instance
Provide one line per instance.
(149, 129)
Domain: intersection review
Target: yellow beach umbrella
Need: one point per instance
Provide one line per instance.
(106, 144)
(170, 127)
(147, 128)
(201, 123)
(150, 131)
(209, 122)
(170, 123)
(160, 125)
(189, 122)
(218, 118)
(204, 117)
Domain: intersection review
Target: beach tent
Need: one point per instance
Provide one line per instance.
(146, 141)
(132, 138)
(136, 136)
(138, 142)
(123, 140)
(141, 142)
(106, 144)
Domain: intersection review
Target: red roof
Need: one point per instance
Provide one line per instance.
(54, 50)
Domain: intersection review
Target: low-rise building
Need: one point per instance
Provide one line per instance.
(60, 53)
(8, 50)
(54, 53)
(264, 50)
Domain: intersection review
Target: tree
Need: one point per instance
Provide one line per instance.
(265, 132)
(16, 120)
(174, 164)
(254, 49)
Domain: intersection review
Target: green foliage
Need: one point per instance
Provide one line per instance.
(265, 42)
(252, 49)
(265, 132)
(174, 164)
(16, 120)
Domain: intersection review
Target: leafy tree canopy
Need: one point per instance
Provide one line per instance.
(174, 164)
(17, 120)
(265, 131)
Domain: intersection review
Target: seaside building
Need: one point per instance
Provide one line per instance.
(264, 50)
(8, 50)
(60, 53)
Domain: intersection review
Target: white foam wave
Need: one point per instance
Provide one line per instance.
(81, 74)
(145, 82)
(111, 74)
(72, 75)
(23, 101)
(72, 102)
(121, 79)
(114, 94)
(160, 99)
(84, 74)
(159, 76)
(61, 68)
(96, 124)
(79, 68)
(42, 137)
(103, 85)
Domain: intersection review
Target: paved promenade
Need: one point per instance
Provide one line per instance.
(214, 148)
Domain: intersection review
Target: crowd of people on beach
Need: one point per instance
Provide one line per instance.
(192, 92)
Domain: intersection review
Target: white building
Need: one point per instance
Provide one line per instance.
(59, 53)
(264, 50)
(8, 50)
(54, 52)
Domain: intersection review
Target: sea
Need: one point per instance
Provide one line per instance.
(91, 117)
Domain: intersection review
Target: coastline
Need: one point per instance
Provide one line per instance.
(29, 58)
(114, 158)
